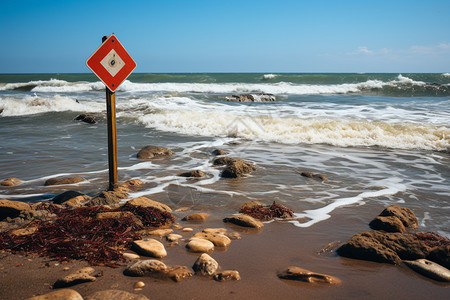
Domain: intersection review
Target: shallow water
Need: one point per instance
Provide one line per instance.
(374, 148)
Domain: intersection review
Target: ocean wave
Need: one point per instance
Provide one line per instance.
(298, 130)
(33, 105)
(402, 85)
(269, 76)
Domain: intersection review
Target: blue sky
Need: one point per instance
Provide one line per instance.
(229, 36)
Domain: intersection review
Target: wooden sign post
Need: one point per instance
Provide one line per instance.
(112, 64)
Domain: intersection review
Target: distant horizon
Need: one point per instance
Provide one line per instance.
(268, 72)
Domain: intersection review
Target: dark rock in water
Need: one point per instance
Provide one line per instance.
(405, 215)
(87, 118)
(194, 173)
(61, 198)
(300, 274)
(252, 98)
(69, 180)
(388, 224)
(12, 209)
(219, 152)
(314, 176)
(384, 247)
(234, 168)
(153, 152)
(429, 269)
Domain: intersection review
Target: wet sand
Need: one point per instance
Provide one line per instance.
(258, 257)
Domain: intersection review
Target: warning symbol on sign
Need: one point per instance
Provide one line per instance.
(111, 63)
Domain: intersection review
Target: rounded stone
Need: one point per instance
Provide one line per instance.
(200, 245)
(146, 267)
(205, 265)
(150, 247)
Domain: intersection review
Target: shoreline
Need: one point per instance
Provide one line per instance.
(258, 257)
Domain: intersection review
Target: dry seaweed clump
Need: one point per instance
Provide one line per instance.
(79, 234)
(267, 212)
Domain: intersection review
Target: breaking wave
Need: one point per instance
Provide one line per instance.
(401, 86)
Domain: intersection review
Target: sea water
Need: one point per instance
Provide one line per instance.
(380, 139)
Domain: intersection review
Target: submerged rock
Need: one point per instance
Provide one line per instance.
(194, 173)
(153, 152)
(314, 176)
(252, 98)
(300, 274)
(10, 182)
(67, 195)
(87, 118)
(60, 181)
(429, 269)
(234, 168)
(219, 152)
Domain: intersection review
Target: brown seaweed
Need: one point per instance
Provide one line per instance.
(432, 239)
(78, 234)
(268, 212)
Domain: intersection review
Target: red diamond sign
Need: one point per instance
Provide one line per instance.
(111, 63)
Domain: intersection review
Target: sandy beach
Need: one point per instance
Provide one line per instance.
(258, 256)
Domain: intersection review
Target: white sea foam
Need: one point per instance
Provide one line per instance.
(280, 88)
(269, 76)
(32, 105)
(446, 74)
(323, 213)
(253, 123)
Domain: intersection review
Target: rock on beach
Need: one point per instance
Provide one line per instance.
(244, 220)
(115, 295)
(60, 181)
(80, 276)
(12, 209)
(62, 294)
(429, 269)
(300, 274)
(150, 247)
(200, 245)
(146, 202)
(149, 267)
(205, 265)
(234, 168)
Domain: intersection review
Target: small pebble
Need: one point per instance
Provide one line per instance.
(139, 285)
(187, 229)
